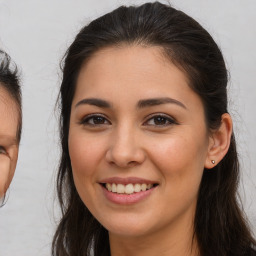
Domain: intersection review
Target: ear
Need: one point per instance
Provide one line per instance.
(219, 142)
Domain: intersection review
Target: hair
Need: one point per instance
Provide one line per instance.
(9, 80)
(219, 225)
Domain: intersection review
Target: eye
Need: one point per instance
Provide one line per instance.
(2, 150)
(94, 120)
(160, 120)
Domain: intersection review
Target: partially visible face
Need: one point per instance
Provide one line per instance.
(9, 117)
(134, 121)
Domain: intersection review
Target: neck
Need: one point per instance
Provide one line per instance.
(174, 240)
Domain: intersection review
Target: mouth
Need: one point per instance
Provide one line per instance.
(128, 189)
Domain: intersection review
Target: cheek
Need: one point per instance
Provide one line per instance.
(181, 163)
(180, 158)
(85, 154)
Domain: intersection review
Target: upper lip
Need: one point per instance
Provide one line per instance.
(128, 180)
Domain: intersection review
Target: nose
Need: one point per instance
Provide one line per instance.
(125, 149)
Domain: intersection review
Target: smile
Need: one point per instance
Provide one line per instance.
(127, 189)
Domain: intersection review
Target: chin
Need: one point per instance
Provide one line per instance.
(128, 226)
(127, 231)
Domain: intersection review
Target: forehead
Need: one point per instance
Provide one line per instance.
(130, 73)
(128, 67)
(9, 115)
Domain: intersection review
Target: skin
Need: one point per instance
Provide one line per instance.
(8, 141)
(128, 142)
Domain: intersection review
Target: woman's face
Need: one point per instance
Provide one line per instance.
(138, 141)
(8, 139)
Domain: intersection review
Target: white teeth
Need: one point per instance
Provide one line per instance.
(113, 188)
(109, 187)
(137, 187)
(144, 187)
(149, 186)
(127, 189)
(120, 188)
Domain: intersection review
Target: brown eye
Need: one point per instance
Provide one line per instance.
(94, 120)
(97, 120)
(160, 120)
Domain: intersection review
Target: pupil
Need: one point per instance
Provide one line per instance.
(159, 120)
(98, 120)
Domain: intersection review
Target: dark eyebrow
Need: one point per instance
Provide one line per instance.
(159, 101)
(141, 104)
(95, 102)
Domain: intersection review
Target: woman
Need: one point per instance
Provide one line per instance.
(149, 163)
(10, 122)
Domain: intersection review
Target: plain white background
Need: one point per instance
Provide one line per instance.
(36, 35)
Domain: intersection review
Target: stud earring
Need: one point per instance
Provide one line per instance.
(213, 162)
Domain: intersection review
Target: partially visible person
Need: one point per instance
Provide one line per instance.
(148, 163)
(10, 121)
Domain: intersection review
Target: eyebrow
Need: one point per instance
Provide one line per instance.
(159, 101)
(95, 102)
(141, 103)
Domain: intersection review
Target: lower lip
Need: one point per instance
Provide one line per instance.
(127, 199)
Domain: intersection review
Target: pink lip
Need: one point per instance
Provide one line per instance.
(128, 180)
(125, 199)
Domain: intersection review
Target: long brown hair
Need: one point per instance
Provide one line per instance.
(219, 225)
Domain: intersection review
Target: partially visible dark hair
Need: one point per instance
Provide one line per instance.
(219, 226)
(9, 79)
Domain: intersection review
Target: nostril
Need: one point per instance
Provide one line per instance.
(132, 163)
(124, 164)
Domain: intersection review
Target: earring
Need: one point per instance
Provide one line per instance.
(213, 162)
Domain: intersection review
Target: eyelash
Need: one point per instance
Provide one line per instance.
(2, 150)
(166, 118)
(86, 120)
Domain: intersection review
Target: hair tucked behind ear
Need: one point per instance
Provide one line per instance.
(220, 228)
